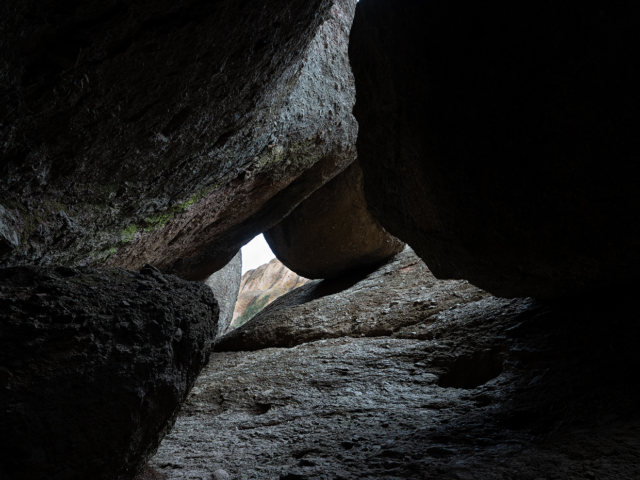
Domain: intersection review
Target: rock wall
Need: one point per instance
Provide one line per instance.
(262, 286)
(499, 141)
(94, 366)
(166, 132)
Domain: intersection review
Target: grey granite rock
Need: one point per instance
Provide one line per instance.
(500, 143)
(335, 224)
(401, 298)
(225, 285)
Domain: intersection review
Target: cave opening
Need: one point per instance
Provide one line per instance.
(446, 282)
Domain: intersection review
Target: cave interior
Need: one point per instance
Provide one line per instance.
(449, 189)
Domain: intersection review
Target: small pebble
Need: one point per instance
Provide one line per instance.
(220, 474)
(178, 335)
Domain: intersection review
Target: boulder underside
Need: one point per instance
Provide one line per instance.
(332, 233)
(167, 133)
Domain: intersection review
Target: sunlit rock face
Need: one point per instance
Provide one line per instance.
(94, 366)
(332, 232)
(501, 142)
(164, 132)
(260, 287)
(225, 285)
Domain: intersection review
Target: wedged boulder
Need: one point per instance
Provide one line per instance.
(332, 232)
(225, 285)
(260, 287)
(500, 141)
(94, 366)
(400, 299)
(167, 133)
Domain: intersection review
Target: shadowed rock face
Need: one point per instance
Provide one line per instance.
(332, 232)
(94, 366)
(163, 132)
(501, 142)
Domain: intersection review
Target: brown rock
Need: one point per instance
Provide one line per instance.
(262, 286)
(501, 141)
(163, 132)
(332, 232)
(94, 366)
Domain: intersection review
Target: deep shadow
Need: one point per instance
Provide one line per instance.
(472, 371)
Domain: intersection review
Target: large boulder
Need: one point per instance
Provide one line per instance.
(332, 232)
(500, 141)
(166, 132)
(94, 366)
(225, 285)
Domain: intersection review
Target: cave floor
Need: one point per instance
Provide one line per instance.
(513, 389)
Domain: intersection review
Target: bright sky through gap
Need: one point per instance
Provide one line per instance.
(256, 253)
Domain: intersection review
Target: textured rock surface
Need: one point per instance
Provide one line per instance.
(164, 132)
(400, 299)
(149, 473)
(336, 226)
(225, 285)
(500, 141)
(493, 389)
(94, 365)
(262, 286)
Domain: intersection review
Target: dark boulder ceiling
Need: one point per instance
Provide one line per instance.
(162, 132)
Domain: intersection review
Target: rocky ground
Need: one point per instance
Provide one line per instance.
(493, 388)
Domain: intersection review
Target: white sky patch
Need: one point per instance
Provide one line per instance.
(256, 253)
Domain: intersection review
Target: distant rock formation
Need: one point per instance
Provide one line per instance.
(262, 286)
